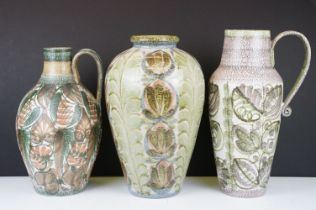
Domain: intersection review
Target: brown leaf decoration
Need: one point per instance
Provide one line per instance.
(45, 95)
(160, 140)
(160, 99)
(162, 176)
(68, 113)
(213, 99)
(73, 94)
(245, 173)
(39, 156)
(83, 129)
(47, 180)
(74, 178)
(158, 62)
(29, 114)
(43, 130)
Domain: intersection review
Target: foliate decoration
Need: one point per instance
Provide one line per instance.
(160, 99)
(214, 99)
(246, 142)
(123, 110)
(245, 173)
(247, 103)
(222, 172)
(217, 135)
(158, 62)
(160, 140)
(162, 176)
(54, 129)
(270, 136)
(265, 169)
(273, 101)
(250, 130)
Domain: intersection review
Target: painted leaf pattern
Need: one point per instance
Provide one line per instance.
(270, 136)
(214, 99)
(246, 103)
(264, 170)
(54, 128)
(162, 176)
(245, 173)
(273, 101)
(159, 99)
(160, 140)
(158, 62)
(246, 142)
(217, 135)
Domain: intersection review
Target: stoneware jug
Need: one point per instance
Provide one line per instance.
(59, 125)
(245, 107)
(154, 97)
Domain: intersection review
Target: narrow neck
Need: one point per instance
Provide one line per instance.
(247, 48)
(57, 68)
(57, 65)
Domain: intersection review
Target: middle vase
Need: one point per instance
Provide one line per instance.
(154, 97)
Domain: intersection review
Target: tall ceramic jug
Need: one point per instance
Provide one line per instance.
(245, 107)
(154, 96)
(59, 125)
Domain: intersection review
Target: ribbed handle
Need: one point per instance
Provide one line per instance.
(286, 110)
(98, 61)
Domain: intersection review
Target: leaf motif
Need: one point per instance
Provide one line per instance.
(246, 103)
(160, 140)
(53, 107)
(214, 99)
(245, 173)
(33, 117)
(217, 135)
(222, 172)
(162, 176)
(160, 99)
(273, 101)
(270, 136)
(246, 142)
(264, 170)
(158, 62)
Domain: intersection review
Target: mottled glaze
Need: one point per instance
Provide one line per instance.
(59, 126)
(245, 106)
(154, 97)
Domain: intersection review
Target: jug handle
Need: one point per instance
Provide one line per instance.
(98, 61)
(286, 110)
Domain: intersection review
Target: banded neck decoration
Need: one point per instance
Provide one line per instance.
(148, 41)
(57, 65)
(249, 48)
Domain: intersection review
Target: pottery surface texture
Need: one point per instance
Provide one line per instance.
(59, 126)
(245, 106)
(154, 97)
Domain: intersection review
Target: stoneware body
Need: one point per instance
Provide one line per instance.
(245, 106)
(59, 126)
(154, 97)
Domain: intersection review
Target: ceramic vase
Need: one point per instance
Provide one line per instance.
(58, 125)
(245, 107)
(154, 97)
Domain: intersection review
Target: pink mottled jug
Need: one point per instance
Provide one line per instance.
(245, 107)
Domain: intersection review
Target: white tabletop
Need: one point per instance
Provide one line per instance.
(198, 193)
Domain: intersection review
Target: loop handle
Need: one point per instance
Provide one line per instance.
(98, 61)
(286, 110)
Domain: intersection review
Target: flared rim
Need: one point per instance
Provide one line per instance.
(154, 38)
(57, 49)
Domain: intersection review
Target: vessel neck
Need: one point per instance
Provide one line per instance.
(57, 65)
(247, 48)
